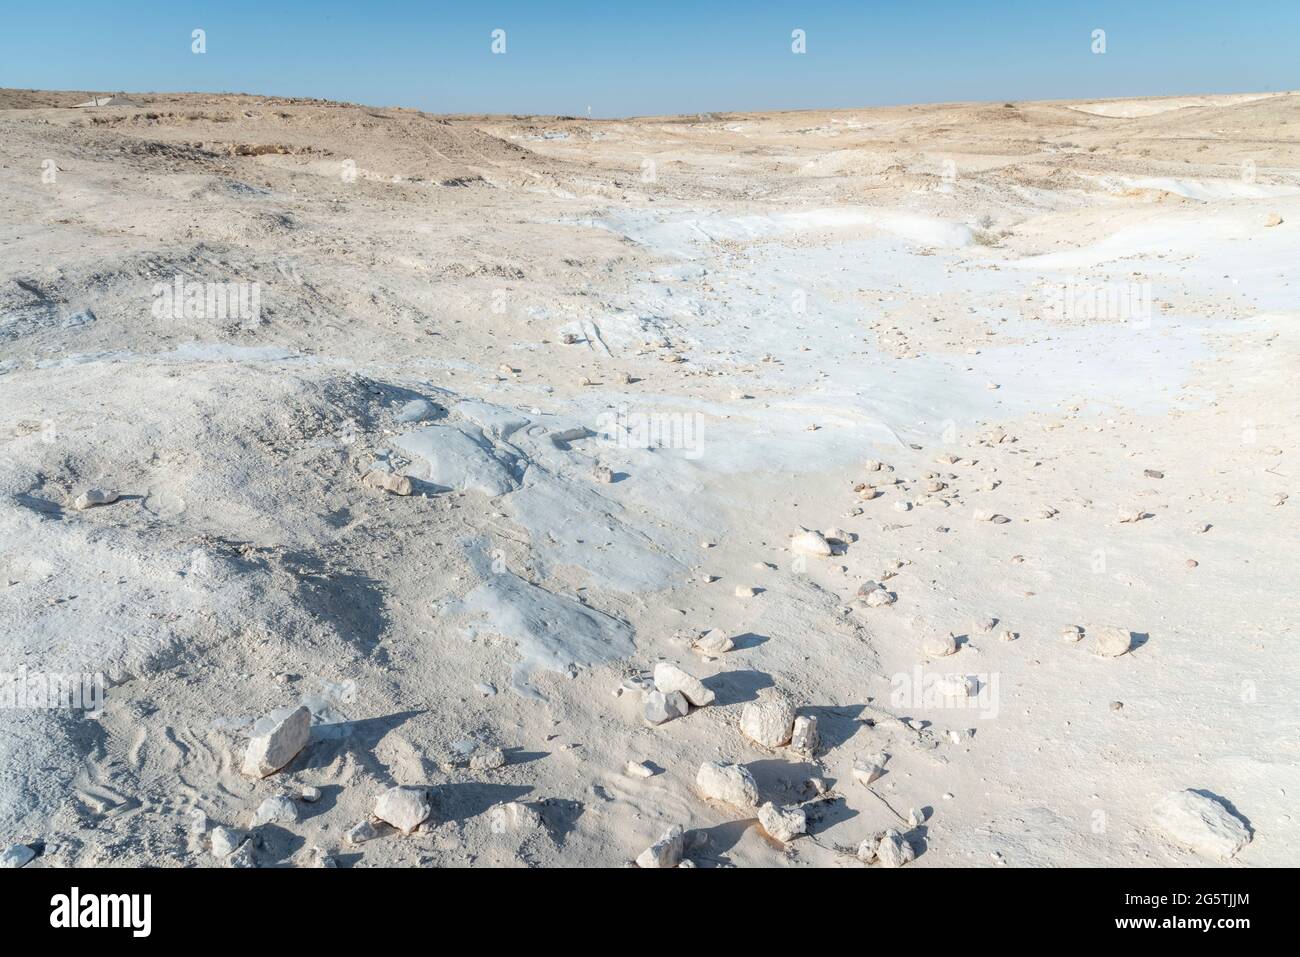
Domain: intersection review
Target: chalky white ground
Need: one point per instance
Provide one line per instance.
(838, 287)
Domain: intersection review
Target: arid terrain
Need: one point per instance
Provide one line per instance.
(971, 429)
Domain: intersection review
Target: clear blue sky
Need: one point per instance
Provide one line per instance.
(626, 57)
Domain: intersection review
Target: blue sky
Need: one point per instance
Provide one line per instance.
(630, 57)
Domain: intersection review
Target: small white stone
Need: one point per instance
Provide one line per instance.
(309, 794)
(728, 783)
(715, 641)
(275, 810)
(670, 678)
(94, 496)
(803, 737)
(360, 833)
(769, 721)
(276, 740)
(745, 591)
(868, 767)
(784, 825)
(488, 759)
(810, 542)
(940, 645)
(1110, 642)
(658, 707)
(665, 852)
(894, 851)
(639, 769)
(403, 807)
(16, 856)
(226, 840)
(1201, 823)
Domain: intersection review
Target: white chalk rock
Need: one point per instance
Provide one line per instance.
(894, 851)
(360, 833)
(275, 810)
(810, 542)
(243, 857)
(670, 678)
(16, 856)
(868, 767)
(803, 737)
(1112, 642)
(309, 794)
(639, 769)
(276, 740)
(940, 646)
(715, 641)
(728, 783)
(784, 825)
(769, 721)
(957, 686)
(659, 707)
(94, 496)
(665, 852)
(226, 840)
(406, 808)
(1202, 824)
(387, 481)
(513, 816)
(880, 598)
(488, 759)
(867, 849)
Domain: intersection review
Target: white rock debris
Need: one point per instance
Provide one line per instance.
(1111, 642)
(715, 641)
(728, 783)
(276, 740)
(669, 678)
(810, 542)
(783, 824)
(1201, 823)
(665, 852)
(894, 850)
(513, 816)
(658, 707)
(769, 721)
(940, 645)
(387, 482)
(405, 808)
(803, 735)
(94, 496)
(275, 810)
(867, 768)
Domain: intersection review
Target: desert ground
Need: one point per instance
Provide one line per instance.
(548, 460)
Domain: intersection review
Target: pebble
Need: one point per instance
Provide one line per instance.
(276, 740)
(803, 736)
(1201, 823)
(639, 769)
(810, 542)
(1127, 515)
(658, 707)
(745, 591)
(225, 841)
(94, 496)
(728, 783)
(489, 759)
(880, 598)
(984, 625)
(894, 850)
(387, 481)
(783, 825)
(275, 810)
(713, 642)
(406, 808)
(670, 678)
(1008, 636)
(867, 768)
(309, 794)
(665, 852)
(18, 855)
(1111, 642)
(940, 645)
(1071, 632)
(603, 474)
(769, 721)
(360, 833)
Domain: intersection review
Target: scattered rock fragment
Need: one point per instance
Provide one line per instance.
(309, 794)
(639, 769)
(670, 678)
(18, 855)
(940, 645)
(783, 825)
(1273, 219)
(868, 767)
(387, 482)
(361, 833)
(94, 496)
(1111, 642)
(276, 740)
(603, 474)
(665, 852)
(728, 783)
(1129, 515)
(405, 808)
(275, 810)
(803, 736)
(810, 542)
(894, 850)
(658, 707)
(769, 721)
(225, 841)
(1071, 632)
(1202, 823)
(715, 641)
(745, 591)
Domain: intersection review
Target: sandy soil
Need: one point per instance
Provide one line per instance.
(1043, 319)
